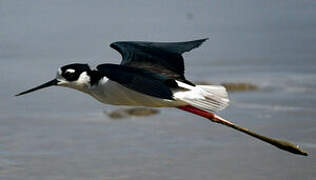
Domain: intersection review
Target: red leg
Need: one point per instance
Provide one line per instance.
(284, 145)
(209, 115)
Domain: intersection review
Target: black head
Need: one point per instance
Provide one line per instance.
(72, 72)
(77, 76)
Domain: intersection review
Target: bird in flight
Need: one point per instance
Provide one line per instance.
(152, 74)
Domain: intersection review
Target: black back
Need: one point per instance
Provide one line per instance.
(140, 80)
(159, 57)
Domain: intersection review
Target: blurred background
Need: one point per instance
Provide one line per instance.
(58, 133)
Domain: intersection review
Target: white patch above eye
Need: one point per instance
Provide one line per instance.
(70, 70)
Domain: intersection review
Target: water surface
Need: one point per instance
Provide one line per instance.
(58, 133)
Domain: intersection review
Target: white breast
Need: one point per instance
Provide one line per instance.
(110, 92)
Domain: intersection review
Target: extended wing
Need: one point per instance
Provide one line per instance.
(160, 57)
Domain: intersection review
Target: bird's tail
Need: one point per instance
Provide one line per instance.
(284, 145)
(208, 97)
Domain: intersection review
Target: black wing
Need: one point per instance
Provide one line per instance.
(139, 80)
(159, 57)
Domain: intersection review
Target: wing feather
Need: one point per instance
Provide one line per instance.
(139, 80)
(160, 57)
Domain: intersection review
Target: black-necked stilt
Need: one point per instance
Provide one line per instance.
(152, 74)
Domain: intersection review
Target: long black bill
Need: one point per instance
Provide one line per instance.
(50, 83)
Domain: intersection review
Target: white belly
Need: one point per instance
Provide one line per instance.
(111, 92)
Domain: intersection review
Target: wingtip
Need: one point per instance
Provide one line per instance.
(112, 45)
(198, 43)
(205, 39)
(200, 40)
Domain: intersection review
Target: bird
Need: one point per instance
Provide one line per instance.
(151, 74)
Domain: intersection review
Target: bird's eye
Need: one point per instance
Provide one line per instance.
(70, 76)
